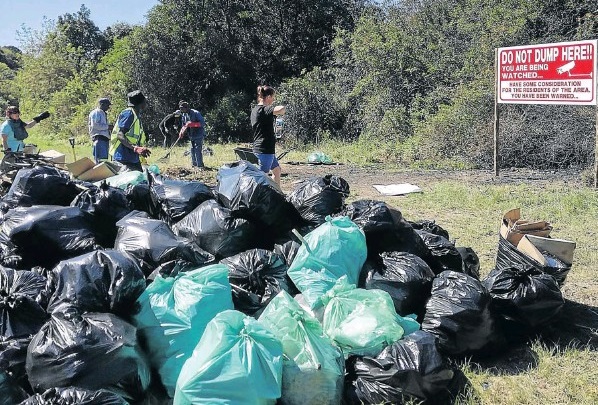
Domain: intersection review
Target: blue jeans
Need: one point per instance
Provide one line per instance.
(196, 155)
(100, 148)
(267, 162)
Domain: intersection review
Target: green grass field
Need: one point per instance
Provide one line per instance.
(558, 367)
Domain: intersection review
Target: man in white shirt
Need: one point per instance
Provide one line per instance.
(99, 130)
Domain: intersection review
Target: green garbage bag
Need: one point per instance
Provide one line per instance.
(313, 368)
(363, 322)
(174, 313)
(319, 157)
(237, 361)
(122, 180)
(334, 249)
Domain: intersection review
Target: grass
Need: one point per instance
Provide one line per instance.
(559, 367)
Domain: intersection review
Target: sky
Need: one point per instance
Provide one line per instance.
(15, 13)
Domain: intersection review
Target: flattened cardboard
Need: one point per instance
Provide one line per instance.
(54, 156)
(560, 248)
(513, 227)
(84, 169)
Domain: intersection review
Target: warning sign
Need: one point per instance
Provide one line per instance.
(560, 73)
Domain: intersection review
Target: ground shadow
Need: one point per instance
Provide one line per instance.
(576, 326)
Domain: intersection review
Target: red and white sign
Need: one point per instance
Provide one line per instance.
(560, 73)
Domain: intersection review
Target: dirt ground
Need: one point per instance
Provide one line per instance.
(361, 179)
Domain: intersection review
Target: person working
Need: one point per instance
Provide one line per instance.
(262, 125)
(99, 130)
(14, 129)
(194, 125)
(170, 127)
(128, 134)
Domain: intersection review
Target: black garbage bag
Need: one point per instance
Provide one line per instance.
(139, 195)
(458, 314)
(216, 231)
(524, 299)
(318, 197)
(100, 281)
(256, 276)
(411, 369)
(10, 392)
(41, 185)
(92, 351)
(406, 277)
(445, 255)
(385, 229)
(249, 193)
(287, 250)
(471, 262)
(107, 205)
(431, 227)
(13, 353)
(508, 256)
(22, 306)
(43, 235)
(75, 396)
(153, 244)
(176, 198)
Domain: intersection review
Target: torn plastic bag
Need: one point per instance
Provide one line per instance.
(249, 193)
(311, 360)
(92, 351)
(385, 229)
(176, 198)
(431, 227)
(406, 277)
(362, 322)
(174, 314)
(458, 314)
(334, 249)
(445, 255)
(153, 244)
(41, 185)
(75, 396)
(139, 196)
(256, 276)
(125, 179)
(10, 393)
(237, 361)
(508, 256)
(44, 235)
(524, 298)
(100, 281)
(471, 262)
(215, 230)
(22, 306)
(411, 369)
(318, 197)
(107, 205)
(13, 354)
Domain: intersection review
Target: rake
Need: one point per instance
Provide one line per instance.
(167, 156)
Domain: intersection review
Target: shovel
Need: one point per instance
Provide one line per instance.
(72, 142)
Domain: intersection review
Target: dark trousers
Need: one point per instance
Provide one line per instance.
(196, 152)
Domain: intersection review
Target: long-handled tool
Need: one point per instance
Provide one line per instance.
(72, 142)
(167, 156)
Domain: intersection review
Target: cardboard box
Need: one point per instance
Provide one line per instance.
(513, 228)
(54, 156)
(533, 246)
(85, 169)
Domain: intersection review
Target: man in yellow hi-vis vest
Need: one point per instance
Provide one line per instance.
(128, 135)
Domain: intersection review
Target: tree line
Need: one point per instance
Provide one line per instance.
(415, 77)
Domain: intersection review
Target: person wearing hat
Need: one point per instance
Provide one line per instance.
(128, 135)
(14, 129)
(99, 130)
(194, 127)
(170, 127)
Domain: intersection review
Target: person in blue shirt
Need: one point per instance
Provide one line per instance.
(14, 129)
(194, 125)
(128, 135)
(99, 130)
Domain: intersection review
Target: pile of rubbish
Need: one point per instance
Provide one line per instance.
(144, 289)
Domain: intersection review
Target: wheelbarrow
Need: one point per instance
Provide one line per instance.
(248, 155)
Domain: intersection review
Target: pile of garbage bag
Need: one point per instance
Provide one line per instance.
(148, 289)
